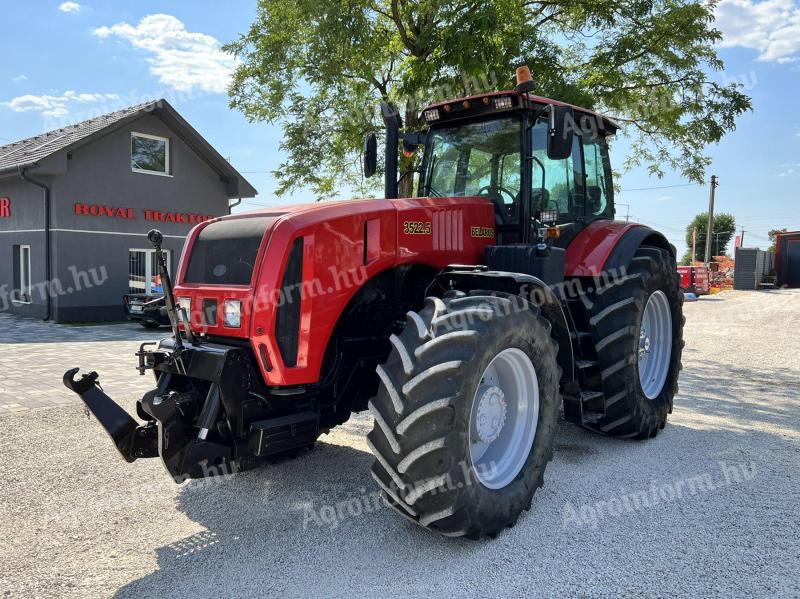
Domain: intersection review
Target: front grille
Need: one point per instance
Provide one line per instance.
(225, 251)
(210, 312)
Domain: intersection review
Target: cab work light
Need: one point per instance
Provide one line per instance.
(233, 314)
(548, 216)
(432, 115)
(503, 103)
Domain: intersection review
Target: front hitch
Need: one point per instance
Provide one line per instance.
(167, 435)
(132, 440)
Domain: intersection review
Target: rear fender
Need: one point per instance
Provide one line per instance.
(531, 289)
(609, 245)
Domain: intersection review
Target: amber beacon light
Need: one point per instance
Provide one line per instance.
(524, 79)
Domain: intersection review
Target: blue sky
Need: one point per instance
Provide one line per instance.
(66, 61)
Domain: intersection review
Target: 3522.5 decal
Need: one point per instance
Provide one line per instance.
(414, 227)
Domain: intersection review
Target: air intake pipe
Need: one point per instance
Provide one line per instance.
(393, 123)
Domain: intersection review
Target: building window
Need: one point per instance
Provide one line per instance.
(143, 275)
(149, 154)
(22, 274)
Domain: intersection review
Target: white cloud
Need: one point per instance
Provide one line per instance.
(57, 106)
(20, 78)
(772, 27)
(789, 169)
(183, 60)
(69, 7)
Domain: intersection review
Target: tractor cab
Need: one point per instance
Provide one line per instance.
(541, 163)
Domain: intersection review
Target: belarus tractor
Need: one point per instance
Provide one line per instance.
(465, 319)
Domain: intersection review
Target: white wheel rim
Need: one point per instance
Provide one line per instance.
(655, 344)
(503, 418)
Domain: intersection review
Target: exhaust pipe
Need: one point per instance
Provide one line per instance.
(393, 123)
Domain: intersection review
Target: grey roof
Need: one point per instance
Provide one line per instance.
(28, 152)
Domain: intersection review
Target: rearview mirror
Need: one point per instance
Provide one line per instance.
(370, 154)
(411, 141)
(559, 137)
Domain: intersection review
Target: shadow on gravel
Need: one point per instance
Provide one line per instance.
(261, 538)
(282, 513)
(309, 526)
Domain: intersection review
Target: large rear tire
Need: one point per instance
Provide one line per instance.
(466, 413)
(637, 322)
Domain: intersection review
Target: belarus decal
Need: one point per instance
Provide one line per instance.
(481, 231)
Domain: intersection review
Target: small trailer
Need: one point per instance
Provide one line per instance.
(695, 279)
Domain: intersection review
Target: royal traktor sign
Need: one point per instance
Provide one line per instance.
(159, 216)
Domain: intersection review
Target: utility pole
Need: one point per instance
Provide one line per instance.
(694, 244)
(710, 226)
(741, 239)
(627, 211)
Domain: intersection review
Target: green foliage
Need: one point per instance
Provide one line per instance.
(773, 237)
(320, 69)
(724, 229)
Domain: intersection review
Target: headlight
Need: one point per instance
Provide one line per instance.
(185, 303)
(233, 313)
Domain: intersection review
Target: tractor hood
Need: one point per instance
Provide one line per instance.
(222, 260)
(281, 278)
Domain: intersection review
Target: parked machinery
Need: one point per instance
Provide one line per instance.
(461, 318)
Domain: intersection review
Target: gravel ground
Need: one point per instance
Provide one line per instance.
(707, 508)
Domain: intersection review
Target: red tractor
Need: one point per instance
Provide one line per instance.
(463, 319)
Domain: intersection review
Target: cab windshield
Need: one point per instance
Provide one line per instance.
(478, 159)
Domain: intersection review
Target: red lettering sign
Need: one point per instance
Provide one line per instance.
(107, 211)
(100, 210)
(176, 217)
(5, 208)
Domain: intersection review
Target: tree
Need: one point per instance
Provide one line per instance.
(320, 69)
(773, 237)
(724, 229)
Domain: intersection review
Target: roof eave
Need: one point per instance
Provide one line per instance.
(243, 188)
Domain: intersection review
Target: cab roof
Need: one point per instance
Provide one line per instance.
(480, 104)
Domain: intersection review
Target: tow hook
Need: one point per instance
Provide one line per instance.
(132, 441)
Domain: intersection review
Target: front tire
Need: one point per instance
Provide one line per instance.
(466, 413)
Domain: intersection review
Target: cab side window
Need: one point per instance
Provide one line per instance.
(563, 179)
(599, 191)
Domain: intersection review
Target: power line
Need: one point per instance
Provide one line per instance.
(260, 205)
(661, 187)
